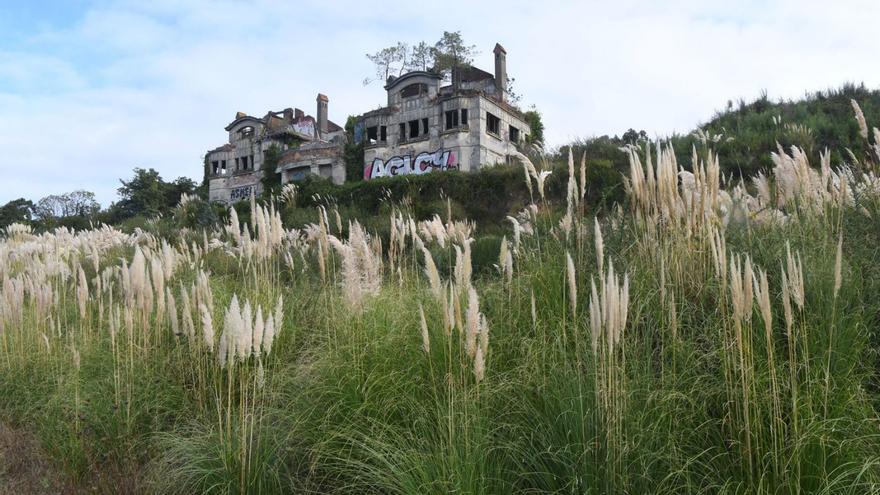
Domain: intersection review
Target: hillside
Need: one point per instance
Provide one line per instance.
(748, 132)
(823, 119)
(703, 339)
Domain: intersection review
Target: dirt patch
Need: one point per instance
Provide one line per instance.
(25, 468)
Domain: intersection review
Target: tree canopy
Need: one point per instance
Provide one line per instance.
(448, 52)
(149, 195)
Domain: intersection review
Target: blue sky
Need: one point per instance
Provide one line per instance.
(91, 89)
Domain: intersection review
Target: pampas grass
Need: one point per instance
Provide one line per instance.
(255, 358)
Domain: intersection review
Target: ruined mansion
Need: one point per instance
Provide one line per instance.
(426, 125)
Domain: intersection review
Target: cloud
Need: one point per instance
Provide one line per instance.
(128, 84)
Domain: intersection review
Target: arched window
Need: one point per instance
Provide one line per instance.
(415, 89)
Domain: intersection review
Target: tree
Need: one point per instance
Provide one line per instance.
(632, 136)
(446, 54)
(451, 52)
(16, 211)
(147, 194)
(421, 57)
(512, 96)
(73, 204)
(533, 117)
(387, 61)
(353, 153)
(271, 180)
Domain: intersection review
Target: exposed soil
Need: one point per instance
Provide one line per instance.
(25, 469)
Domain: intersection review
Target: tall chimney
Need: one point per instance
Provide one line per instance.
(500, 70)
(322, 114)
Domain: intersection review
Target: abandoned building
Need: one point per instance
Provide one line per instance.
(308, 145)
(429, 126)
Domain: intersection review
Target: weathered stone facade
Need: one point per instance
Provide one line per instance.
(234, 171)
(426, 126)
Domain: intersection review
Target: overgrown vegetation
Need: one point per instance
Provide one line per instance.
(705, 336)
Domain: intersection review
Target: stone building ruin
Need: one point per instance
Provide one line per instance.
(429, 123)
(428, 126)
(308, 145)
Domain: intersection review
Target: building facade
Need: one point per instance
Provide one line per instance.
(235, 170)
(428, 126)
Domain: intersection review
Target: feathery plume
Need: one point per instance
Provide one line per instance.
(479, 365)
(433, 274)
(860, 118)
(207, 327)
(257, 337)
(426, 339)
(269, 335)
(572, 284)
(473, 322)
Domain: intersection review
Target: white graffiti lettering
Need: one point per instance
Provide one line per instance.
(404, 165)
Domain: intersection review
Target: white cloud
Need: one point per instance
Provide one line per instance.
(152, 85)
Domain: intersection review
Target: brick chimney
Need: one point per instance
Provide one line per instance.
(298, 114)
(323, 128)
(500, 70)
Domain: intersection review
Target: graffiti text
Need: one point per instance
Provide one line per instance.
(402, 165)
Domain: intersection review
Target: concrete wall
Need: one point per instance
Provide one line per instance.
(320, 158)
(235, 188)
(465, 147)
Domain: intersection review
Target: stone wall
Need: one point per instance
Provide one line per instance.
(465, 146)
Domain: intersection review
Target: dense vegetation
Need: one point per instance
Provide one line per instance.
(743, 135)
(706, 336)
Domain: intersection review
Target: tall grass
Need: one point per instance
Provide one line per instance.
(703, 337)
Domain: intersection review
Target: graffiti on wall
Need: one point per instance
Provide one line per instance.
(239, 193)
(305, 126)
(403, 165)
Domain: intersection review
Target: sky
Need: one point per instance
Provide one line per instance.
(90, 90)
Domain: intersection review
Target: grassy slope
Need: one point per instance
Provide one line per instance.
(352, 403)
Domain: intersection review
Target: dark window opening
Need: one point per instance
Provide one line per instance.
(514, 134)
(383, 133)
(372, 134)
(237, 164)
(252, 162)
(464, 117)
(414, 90)
(425, 126)
(413, 128)
(402, 131)
(215, 167)
(247, 131)
(244, 163)
(451, 119)
(493, 123)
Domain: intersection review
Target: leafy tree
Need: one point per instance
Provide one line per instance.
(632, 136)
(147, 194)
(353, 154)
(271, 180)
(533, 117)
(16, 211)
(421, 57)
(446, 54)
(387, 61)
(451, 52)
(73, 204)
